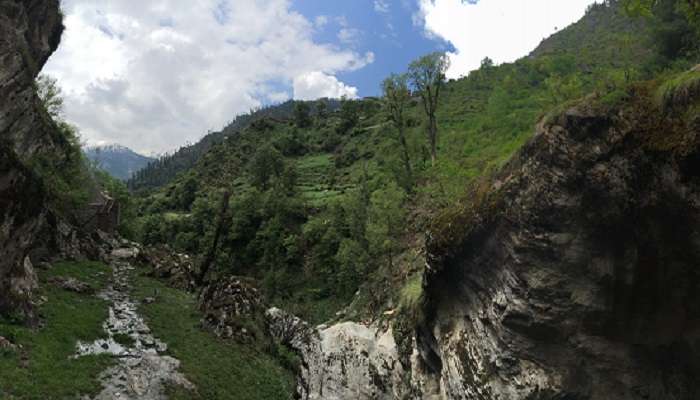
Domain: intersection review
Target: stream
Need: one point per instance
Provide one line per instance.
(143, 370)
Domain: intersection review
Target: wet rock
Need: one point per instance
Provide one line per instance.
(72, 285)
(143, 371)
(126, 253)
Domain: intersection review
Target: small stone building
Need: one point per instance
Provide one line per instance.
(103, 213)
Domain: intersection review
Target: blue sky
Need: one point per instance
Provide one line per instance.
(387, 30)
(158, 74)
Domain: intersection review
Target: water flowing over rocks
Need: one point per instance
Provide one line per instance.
(142, 370)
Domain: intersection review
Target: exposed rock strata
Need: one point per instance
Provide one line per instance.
(574, 273)
(343, 361)
(29, 33)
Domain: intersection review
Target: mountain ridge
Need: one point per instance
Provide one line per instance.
(119, 161)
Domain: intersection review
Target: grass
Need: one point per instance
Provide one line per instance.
(220, 370)
(412, 292)
(314, 175)
(680, 91)
(44, 369)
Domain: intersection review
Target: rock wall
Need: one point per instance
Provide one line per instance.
(573, 274)
(344, 361)
(29, 32)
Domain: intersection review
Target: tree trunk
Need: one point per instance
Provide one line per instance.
(211, 254)
(432, 132)
(406, 158)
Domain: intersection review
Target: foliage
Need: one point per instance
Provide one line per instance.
(50, 95)
(265, 165)
(680, 91)
(397, 97)
(320, 212)
(302, 114)
(349, 115)
(428, 77)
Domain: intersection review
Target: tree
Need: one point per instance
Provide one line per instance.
(486, 63)
(221, 227)
(396, 99)
(321, 109)
(385, 221)
(349, 115)
(428, 76)
(302, 114)
(266, 164)
(50, 94)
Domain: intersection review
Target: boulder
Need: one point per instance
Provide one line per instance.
(232, 308)
(176, 269)
(344, 361)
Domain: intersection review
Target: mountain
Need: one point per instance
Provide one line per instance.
(119, 161)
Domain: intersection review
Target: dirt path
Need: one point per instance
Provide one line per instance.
(143, 370)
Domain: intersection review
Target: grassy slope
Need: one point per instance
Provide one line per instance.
(219, 370)
(44, 369)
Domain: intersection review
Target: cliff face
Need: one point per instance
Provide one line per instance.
(29, 32)
(574, 273)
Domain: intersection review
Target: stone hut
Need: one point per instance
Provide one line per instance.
(103, 213)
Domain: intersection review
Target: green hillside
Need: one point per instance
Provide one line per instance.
(320, 202)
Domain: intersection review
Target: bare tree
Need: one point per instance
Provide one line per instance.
(428, 76)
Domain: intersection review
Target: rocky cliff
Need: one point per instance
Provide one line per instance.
(570, 274)
(29, 32)
(573, 273)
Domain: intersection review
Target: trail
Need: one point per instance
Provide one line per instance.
(143, 369)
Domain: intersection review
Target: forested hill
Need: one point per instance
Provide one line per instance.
(323, 202)
(164, 169)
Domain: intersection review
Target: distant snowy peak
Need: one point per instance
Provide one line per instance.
(119, 161)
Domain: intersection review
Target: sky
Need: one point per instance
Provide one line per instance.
(154, 75)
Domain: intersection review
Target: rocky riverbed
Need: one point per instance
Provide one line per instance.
(143, 370)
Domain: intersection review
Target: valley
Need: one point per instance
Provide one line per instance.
(528, 231)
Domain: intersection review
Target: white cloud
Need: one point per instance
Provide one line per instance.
(316, 84)
(381, 6)
(153, 75)
(349, 35)
(321, 21)
(503, 30)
